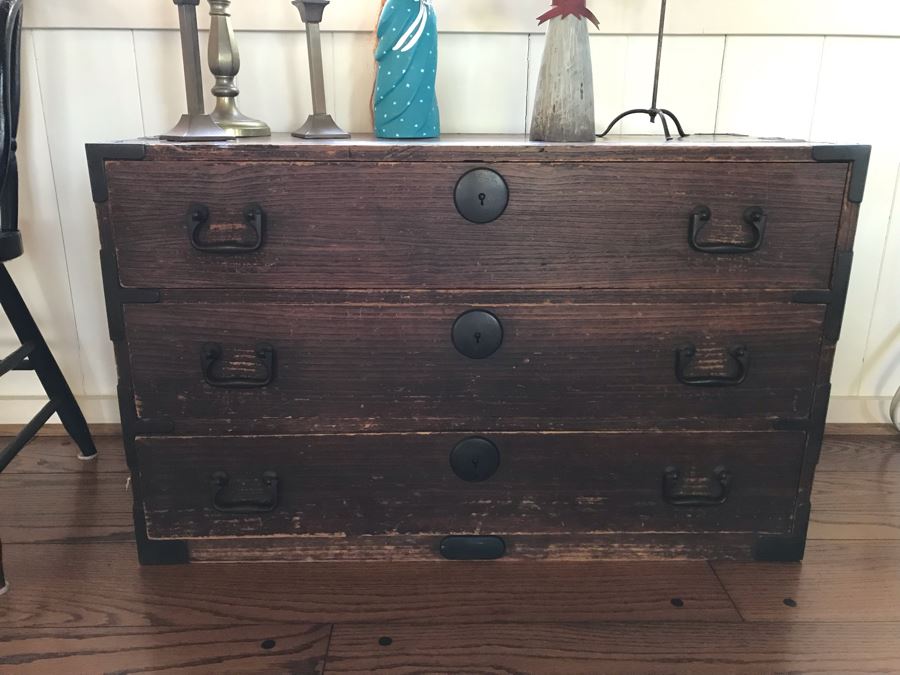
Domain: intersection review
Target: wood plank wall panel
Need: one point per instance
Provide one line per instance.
(102, 84)
(852, 104)
(89, 90)
(689, 81)
(693, 17)
(769, 85)
(41, 273)
(157, 56)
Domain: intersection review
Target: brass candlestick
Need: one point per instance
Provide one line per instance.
(320, 124)
(225, 63)
(196, 125)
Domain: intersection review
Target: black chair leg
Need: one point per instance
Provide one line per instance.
(45, 366)
(4, 584)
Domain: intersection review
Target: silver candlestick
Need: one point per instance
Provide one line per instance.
(320, 124)
(196, 125)
(225, 63)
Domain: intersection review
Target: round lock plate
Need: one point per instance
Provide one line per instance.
(481, 196)
(475, 459)
(477, 334)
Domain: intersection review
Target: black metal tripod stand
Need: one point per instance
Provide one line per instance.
(654, 110)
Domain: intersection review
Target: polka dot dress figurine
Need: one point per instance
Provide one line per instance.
(405, 102)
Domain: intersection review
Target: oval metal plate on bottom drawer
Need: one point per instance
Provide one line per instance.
(472, 548)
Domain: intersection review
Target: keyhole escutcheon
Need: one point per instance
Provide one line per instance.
(481, 198)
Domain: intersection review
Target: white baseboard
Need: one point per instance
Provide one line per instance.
(97, 409)
(859, 410)
(105, 410)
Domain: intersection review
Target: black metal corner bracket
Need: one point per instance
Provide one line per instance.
(858, 155)
(116, 296)
(836, 298)
(97, 156)
(779, 549)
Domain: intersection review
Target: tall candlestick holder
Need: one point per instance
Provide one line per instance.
(320, 124)
(196, 125)
(225, 64)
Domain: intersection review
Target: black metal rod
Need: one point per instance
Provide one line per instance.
(28, 432)
(15, 360)
(659, 48)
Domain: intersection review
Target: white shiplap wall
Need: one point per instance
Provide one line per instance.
(97, 70)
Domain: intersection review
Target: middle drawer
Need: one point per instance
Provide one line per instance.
(307, 368)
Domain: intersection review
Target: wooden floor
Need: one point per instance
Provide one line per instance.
(79, 603)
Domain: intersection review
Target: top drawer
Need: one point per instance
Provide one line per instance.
(347, 225)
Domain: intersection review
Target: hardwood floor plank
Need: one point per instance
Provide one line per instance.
(838, 581)
(878, 453)
(65, 508)
(856, 505)
(85, 585)
(860, 430)
(269, 648)
(52, 454)
(617, 648)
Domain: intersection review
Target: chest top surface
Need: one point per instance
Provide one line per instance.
(364, 147)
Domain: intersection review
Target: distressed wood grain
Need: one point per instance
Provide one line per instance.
(564, 102)
(358, 485)
(394, 367)
(367, 225)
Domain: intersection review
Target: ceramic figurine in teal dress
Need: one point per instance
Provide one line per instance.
(405, 100)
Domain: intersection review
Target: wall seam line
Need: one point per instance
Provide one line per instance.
(721, 79)
(879, 283)
(59, 219)
(137, 75)
(815, 105)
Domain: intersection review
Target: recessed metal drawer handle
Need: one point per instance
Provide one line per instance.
(212, 354)
(684, 356)
(254, 495)
(720, 487)
(754, 216)
(198, 220)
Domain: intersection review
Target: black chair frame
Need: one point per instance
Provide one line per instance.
(33, 353)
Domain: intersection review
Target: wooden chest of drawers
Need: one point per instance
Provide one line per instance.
(475, 348)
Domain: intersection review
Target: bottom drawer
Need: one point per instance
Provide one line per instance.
(444, 484)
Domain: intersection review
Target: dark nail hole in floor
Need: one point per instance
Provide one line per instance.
(267, 644)
(385, 641)
(790, 602)
(677, 602)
